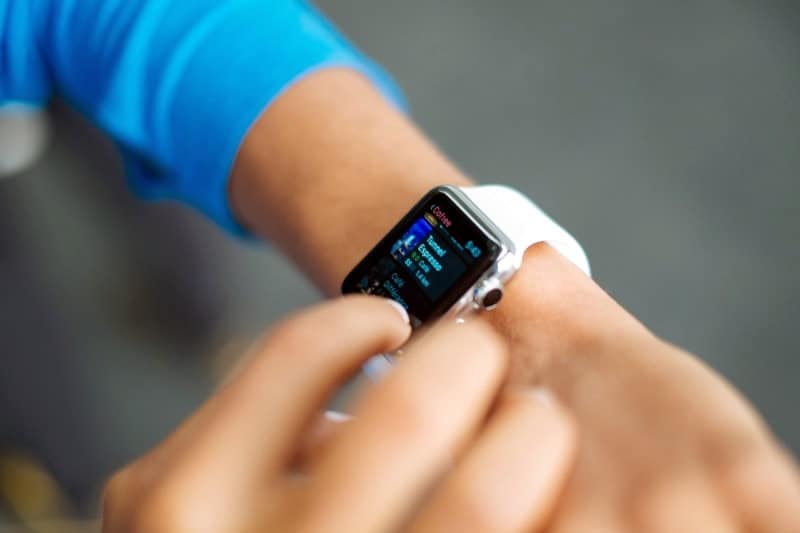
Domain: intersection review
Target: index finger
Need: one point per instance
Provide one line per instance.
(406, 429)
(260, 413)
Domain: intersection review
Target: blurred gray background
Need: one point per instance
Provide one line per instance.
(665, 135)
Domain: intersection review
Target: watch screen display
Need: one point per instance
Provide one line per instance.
(429, 259)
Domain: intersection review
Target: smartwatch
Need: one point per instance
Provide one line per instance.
(456, 249)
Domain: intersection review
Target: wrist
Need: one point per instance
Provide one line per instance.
(552, 311)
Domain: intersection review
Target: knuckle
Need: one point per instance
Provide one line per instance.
(313, 333)
(117, 492)
(166, 509)
(133, 501)
(369, 313)
(409, 417)
(485, 345)
(735, 443)
(477, 511)
(765, 486)
(296, 338)
(117, 484)
(286, 339)
(745, 465)
(289, 334)
(646, 509)
(486, 338)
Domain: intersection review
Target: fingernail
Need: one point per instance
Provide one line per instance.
(400, 309)
(377, 367)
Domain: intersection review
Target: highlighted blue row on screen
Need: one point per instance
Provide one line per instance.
(427, 258)
(415, 234)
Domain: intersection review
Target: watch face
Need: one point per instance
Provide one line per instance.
(428, 261)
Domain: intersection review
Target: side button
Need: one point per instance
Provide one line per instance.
(489, 293)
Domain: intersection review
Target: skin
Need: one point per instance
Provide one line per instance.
(665, 443)
(244, 462)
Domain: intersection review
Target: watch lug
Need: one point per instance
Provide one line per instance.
(506, 266)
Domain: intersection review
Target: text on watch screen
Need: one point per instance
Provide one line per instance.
(420, 263)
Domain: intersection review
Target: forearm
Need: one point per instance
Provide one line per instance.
(328, 169)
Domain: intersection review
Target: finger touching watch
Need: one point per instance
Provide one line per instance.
(456, 249)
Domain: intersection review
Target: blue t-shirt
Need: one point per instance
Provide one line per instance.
(175, 83)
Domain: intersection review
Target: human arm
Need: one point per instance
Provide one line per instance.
(330, 167)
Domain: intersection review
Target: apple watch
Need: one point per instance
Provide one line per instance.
(456, 249)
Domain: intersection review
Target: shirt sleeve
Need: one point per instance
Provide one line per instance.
(175, 83)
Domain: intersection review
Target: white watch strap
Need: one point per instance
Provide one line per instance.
(525, 223)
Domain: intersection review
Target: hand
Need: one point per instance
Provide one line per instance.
(433, 447)
(665, 444)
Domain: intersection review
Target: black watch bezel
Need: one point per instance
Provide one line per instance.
(466, 220)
